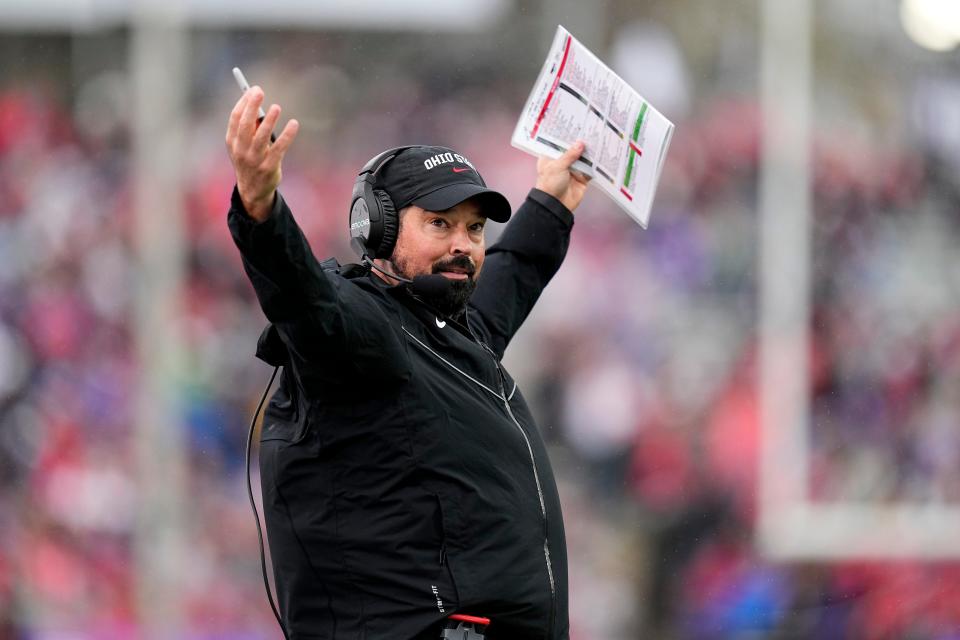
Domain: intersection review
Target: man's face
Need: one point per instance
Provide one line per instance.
(449, 243)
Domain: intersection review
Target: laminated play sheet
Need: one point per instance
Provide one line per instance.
(578, 97)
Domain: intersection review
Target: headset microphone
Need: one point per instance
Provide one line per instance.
(431, 285)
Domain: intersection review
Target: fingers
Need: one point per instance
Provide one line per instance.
(249, 113)
(233, 124)
(256, 161)
(285, 139)
(265, 128)
(580, 176)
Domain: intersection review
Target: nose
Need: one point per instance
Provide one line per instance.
(460, 241)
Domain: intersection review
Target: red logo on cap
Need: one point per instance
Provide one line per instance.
(460, 169)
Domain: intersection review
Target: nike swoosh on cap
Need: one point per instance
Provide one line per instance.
(460, 169)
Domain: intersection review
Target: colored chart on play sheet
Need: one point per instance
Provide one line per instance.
(576, 96)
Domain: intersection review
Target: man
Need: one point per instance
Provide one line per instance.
(404, 479)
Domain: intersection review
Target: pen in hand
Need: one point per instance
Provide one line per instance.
(244, 86)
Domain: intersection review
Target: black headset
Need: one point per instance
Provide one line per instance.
(374, 222)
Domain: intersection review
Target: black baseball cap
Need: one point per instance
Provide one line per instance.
(436, 179)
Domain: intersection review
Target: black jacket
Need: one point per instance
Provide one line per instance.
(403, 476)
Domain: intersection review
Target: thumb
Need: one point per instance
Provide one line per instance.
(572, 154)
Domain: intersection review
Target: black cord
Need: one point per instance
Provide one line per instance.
(253, 505)
(367, 261)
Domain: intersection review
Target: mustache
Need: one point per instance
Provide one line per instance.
(463, 262)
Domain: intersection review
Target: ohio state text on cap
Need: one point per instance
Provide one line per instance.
(436, 179)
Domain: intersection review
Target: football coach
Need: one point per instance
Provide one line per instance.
(404, 478)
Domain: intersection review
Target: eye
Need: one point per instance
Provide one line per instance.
(438, 222)
(477, 226)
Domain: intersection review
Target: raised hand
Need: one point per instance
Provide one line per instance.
(257, 161)
(555, 177)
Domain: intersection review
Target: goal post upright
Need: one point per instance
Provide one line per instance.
(791, 526)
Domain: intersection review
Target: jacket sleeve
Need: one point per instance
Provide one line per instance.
(518, 267)
(325, 322)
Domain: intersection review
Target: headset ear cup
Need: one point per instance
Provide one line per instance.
(374, 223)
(390, 222)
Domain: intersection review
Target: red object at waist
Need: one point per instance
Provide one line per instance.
(474, 619)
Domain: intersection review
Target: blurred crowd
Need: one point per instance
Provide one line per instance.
(640, 363)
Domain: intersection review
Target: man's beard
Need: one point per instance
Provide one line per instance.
(451, 300)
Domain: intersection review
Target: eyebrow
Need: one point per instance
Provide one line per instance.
(481, 217)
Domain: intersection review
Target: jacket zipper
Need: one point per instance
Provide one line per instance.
(536, 475)
(533, 460)
(543, 506)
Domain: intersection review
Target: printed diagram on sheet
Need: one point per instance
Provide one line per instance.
(576, 97)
